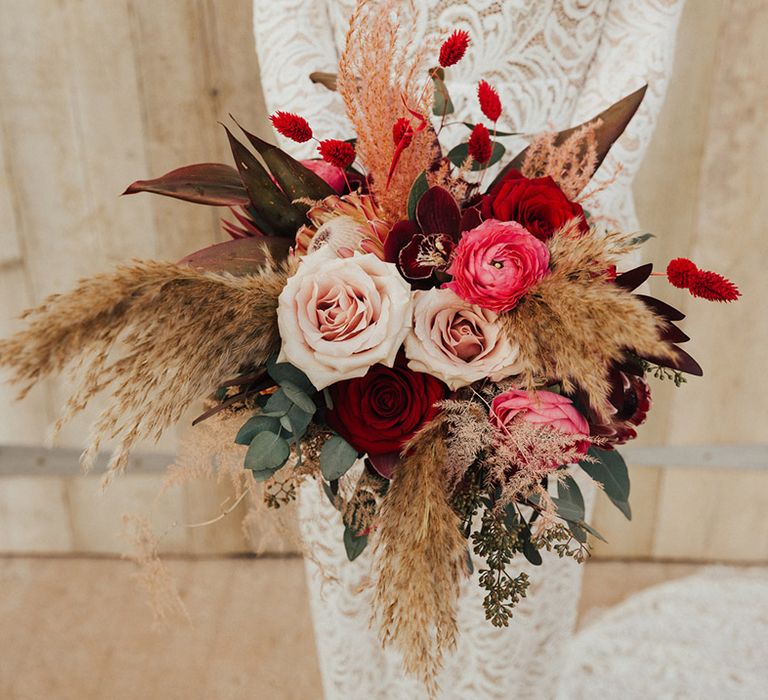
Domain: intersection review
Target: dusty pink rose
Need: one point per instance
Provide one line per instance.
(339, 316)
(496, 263)
(330, 173)
(540, 407)
(458, 342)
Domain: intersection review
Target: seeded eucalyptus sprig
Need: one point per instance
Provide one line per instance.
(497, 544)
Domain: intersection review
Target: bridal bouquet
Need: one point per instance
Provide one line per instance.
(432, 346)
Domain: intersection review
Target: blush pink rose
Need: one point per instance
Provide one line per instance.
(458, 342)
(540, 407)
(496, 263)
(330, 173)
(339, 316)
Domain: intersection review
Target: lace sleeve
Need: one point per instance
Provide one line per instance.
(293, 39)
(637, 46)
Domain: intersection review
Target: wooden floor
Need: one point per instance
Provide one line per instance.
(80, 629)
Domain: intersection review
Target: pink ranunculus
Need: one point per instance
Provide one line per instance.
(458, 342)
(542, 408)
(496, 263)
(339, 316)
(330, 173)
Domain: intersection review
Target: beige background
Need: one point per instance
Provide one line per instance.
(97, 93)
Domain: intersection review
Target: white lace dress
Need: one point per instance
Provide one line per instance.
(555, 63)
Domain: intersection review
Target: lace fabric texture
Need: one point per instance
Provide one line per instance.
(703, 636)
(555, 63)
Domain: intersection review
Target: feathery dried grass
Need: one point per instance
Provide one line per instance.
(379, 67)
(573, 324)
(152, 573)
(570, 164)
(419, 558)
(158, 335)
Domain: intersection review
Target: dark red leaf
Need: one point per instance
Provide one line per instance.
(614, 121)
(385, 464)
(297, 180)
(470, 218)
(673, 334)
(662, 309)
(682, 362)
(632, 279)
(267, 198)
(242, 256)
(215, 184)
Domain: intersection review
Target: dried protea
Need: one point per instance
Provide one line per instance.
(348, 223)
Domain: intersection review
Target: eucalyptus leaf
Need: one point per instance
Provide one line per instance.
(354, 544)
(266, 454)
(300, 421)
(567, 510)
(578, 532)
(592, 531)
(611, 472)
(255, 425)
(336, 457)
(569, 491)
(298, 396)
(283, 372)
(278, 404)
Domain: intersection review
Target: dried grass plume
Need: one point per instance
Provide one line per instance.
(378, 68)
(157, 335)
(419, 558)
(574, 323)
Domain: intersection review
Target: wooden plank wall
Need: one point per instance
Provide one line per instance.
(97, 93)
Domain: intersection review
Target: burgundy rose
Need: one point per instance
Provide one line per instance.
(538, 204)
(380, 412)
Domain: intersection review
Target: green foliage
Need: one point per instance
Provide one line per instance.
(418, 189)
(336, 457)
(497, 544)
(354, 544)
(662, 373)
(610, 471)
(442, 104)
(266, 454)
(458, 154)
(642, 238)
(282, 421)
(500, 134)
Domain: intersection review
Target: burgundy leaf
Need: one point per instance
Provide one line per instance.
(632, 279)
(470, 218)
(215, 184)
(385, 464)
(682, 362)
(662, 309)
(614, 121)
(673, 334)
(242, 256)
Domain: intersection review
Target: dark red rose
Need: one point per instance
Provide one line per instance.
(538, 204)
(381, 411)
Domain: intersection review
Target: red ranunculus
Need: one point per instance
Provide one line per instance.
(538, 204)
(381, 411)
